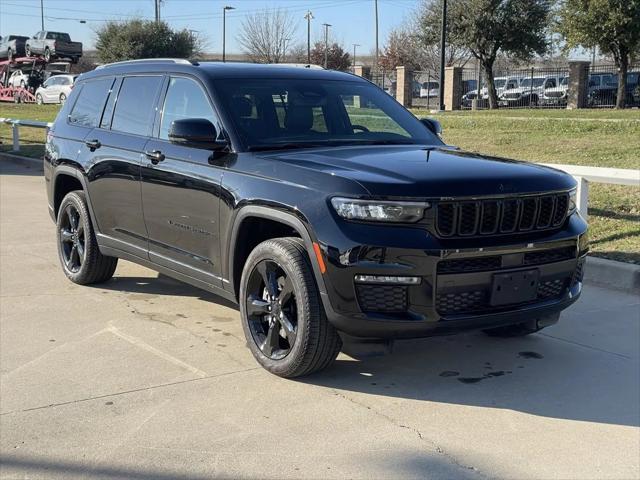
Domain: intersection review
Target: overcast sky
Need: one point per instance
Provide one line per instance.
(352, 20)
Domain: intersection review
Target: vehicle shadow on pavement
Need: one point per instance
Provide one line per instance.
(162, 285)
(540, 375)
(10, 166)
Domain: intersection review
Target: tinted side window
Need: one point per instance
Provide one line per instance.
(134, 110)
(88, 108)
(185, 99)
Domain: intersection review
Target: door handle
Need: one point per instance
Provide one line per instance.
(156, 156)
(93, 144)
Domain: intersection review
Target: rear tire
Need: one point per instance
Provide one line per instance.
(9, 55)
(27, 51)
(47, 54)
(78, 250)
(39, 100)
(63, 98)
(282, 316)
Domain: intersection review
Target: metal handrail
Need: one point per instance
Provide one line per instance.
(15, 128)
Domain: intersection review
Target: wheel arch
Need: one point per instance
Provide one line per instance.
(244, 237)
(67, 178)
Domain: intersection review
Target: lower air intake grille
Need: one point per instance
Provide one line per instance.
(477, 301)
(382, 298)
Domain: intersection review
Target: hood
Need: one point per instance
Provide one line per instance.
(418, 172)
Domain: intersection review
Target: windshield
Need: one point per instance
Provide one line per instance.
(272, 113)
(499, 83)
(537, 82)
(430, 85)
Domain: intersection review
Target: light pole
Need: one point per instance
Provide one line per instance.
(326, 43)
(355, 45)
(443, 34)
(309, 17)
(42, 14)
(375, 67)
(224, 33)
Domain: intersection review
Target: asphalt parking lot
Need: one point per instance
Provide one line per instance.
(146, 378)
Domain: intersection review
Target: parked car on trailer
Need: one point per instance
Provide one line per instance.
(55, 89)
(19, 78)
(53, 45)
(12, 46)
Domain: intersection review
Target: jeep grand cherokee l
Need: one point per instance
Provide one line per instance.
(312, 199)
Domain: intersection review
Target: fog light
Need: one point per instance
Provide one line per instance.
(389, 280)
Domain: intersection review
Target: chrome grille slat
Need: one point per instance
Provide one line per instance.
(466, 218)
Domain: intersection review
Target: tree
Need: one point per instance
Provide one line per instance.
(337, 58)
(611, 25)
(265, 35)
(488, 27)
(401, 49)
(427, 24)
(131, 39)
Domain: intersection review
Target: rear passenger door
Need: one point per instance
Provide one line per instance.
(180, 193)
(114, 153)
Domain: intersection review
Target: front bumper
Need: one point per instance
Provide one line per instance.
(455, 287)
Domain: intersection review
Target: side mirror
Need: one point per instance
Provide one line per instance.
(196, 133)
(433, 125)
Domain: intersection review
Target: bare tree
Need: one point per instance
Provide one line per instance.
(265, 35)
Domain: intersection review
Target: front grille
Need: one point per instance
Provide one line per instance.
(478, 300)
(382, 298)
(501, 216)
(512, 95)
(554, 94)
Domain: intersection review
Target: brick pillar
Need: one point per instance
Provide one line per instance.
(404, 84)
(452, 88)
(362, 71)
(578, 85)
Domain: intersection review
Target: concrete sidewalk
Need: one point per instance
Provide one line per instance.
(146, 378)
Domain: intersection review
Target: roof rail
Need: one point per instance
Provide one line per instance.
(180, 61)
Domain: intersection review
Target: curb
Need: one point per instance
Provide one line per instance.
(28, 162)
(613, 274)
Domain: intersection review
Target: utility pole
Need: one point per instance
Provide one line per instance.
(443, 35)
(354, 53)
(375, 67)
(309, 17)
(157, 5)
(224, 31)
(42, 14)
(326, 44)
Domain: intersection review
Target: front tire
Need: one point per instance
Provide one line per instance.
(63, 98)
(283, 320)
(27, 51)
(78, 250)
(47, 54)
(39, 100)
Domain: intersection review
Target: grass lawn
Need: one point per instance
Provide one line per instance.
(598, 137)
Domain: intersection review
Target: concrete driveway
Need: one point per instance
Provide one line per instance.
(146, 378)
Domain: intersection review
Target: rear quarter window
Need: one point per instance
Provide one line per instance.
(88, 108)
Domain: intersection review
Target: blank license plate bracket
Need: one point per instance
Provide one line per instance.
(515, 287)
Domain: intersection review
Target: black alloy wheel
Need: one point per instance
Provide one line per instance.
(271, 309)
(72, 238)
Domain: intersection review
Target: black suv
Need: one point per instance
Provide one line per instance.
(312, 199)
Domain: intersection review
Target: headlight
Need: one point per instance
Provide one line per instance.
(379, 211)
(573, 205)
